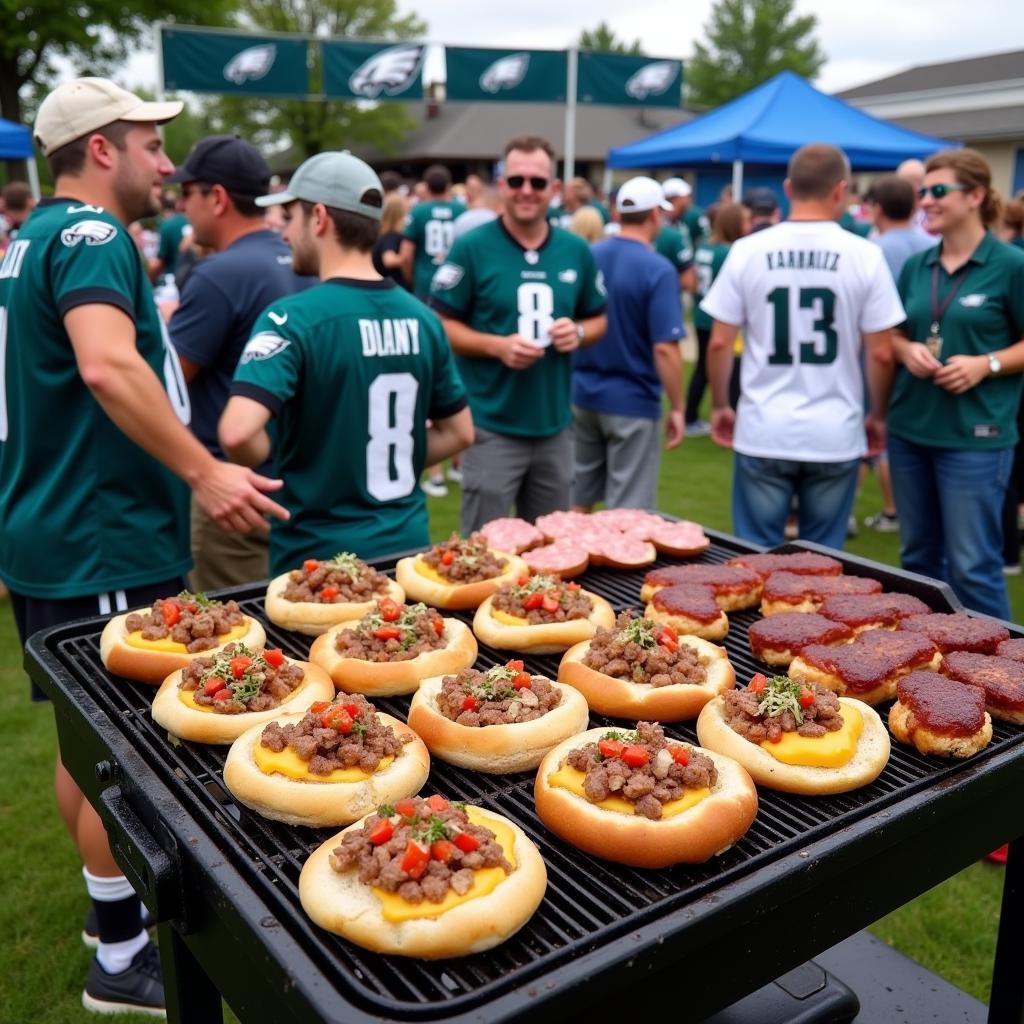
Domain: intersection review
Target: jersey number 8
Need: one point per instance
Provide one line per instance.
(536, 305)
(389, 468)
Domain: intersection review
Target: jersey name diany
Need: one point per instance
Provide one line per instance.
(390, 337)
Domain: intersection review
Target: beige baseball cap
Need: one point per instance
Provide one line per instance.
(82, 105)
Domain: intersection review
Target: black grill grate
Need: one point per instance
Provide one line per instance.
(589, 902)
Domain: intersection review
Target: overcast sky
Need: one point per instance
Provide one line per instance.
(863, 39)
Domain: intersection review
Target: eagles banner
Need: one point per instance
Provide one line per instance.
(615, 78)
(373, 71)
(226, 62)
(526, 76)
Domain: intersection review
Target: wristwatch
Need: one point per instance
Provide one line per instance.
(994, 366)
(581, 334)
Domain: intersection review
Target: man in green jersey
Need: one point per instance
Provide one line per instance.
(686, 214)
(95, 453)
(352, 369)
(173, 223)
(517, 298)
(430, 231)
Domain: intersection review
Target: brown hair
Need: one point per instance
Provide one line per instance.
(70, 158)
(895, 196)
(438, 179)
(352, 230)
(530, 144)
(17, 196)
(815, 170)
(396, 207)
(728, 223)
(1013, 216)
(972, 171)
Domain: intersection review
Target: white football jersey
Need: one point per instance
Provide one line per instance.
(803, 293)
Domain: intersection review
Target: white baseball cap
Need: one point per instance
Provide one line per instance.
(82, 105)
(674, 187)
(639, 195)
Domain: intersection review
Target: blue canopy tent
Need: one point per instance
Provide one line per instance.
(15, 141)
(768, 124)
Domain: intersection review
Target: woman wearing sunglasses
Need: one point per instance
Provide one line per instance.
(953, 412)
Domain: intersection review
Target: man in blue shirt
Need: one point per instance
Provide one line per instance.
(891, 200)
(617, 385)
(251, 268)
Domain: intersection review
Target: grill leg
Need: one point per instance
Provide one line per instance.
(190, 995)
(1007, 1003)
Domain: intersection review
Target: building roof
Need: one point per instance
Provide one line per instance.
(970, 125)
(993, 67)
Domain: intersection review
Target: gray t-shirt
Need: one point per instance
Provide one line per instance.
(899, 244)
(471, 219)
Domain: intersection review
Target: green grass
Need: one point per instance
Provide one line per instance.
(950, 929)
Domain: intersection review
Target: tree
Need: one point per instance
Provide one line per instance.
(603, 38)
(749, 41)
(313, 126)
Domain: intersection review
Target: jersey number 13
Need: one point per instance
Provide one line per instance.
(820, 350)
(389, 468)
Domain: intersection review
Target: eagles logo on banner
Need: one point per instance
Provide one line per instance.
(373, 71)
(621, 79)
(205, 60)
(523, 76)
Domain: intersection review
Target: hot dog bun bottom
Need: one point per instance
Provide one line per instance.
(315, 617)
(342, 904)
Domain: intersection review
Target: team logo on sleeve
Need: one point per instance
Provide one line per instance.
(505, 73)
(652, 79)
(568, 276)
(92, 232)
(599, 283)
(251, 64)
(389, 71)
(447, 276)
(264, 345)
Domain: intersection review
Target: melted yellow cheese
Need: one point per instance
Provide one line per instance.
(289, 763)
(485, 880)
(571, 779)
(432, 574)
(188, 698)
(832, 750)
(169, 646)
(509, 620)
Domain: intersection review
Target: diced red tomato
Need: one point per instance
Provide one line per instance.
(668, 631)
(550, 604)
(389, 610)
(532, 601)
(224, 694)
(442, 850)
(679, 755)
(211, 686)
(611, 748)
(239, 665)
(524, 579)
(447, 558)
(515, 664)
(467, 843)
(574, 586)
(381, 832)
(328, 593)
(668, 640)
(320, 707)
(352, 709)
(437, 803)
(523, 681)
(416, 859)
(406, 808)
(337, 718)
(171, 612)
(470, 704)
(310, 565)
(636, 757)
(758, 682)
(439, 625)
(274, 657)
(806, 697)
(387, 633)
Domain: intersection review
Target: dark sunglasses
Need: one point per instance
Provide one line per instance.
(939, 191)
(515, 181)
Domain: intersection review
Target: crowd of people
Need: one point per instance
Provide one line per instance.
(319, 348)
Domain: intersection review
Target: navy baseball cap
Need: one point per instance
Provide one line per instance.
(760, 200)
(225, 160)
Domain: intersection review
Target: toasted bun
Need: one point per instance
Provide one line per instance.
(683, 624)
(316, 803)
(641, 701)
(216, 727)
(344, 905)
(708, 828)
(155, 666)
(544, 637)
(458, 596)
(495, 749)
(868, 760)
(312, 617)
(777, 606)
(907, 729)
(804, 672)
(387, 678)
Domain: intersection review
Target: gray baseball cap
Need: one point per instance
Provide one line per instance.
(338, 180)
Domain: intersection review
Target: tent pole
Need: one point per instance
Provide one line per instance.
(569, 150)
(33, 175)
(737, 180)
(158, 53)
(606, 181)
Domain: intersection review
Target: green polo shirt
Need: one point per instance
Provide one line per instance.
(673, 242)
(986, 315)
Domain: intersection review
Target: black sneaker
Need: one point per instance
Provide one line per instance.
(137, 989)
(91, 928)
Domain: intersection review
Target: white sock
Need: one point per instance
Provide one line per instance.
(107, 890)
(115, 957)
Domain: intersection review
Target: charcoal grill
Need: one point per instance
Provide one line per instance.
(224, 881)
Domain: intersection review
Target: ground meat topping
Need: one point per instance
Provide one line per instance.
(419, 849)
(641, 767)
(543, 598)
(641, 651)
(393, 632)
(341, 579)
(767, 708)
(345, 733)
(465, 561)
(239, 679)
(190, 619)
(502, 695)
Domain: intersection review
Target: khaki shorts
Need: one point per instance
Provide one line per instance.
(225, 559)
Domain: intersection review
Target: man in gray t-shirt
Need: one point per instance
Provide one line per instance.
(891, 199)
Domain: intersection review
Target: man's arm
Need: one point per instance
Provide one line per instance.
(880, 368)
(668, 361)
(514, 350)
(565, 334)
(449, 436)
(720, 347)
(242, 431)
(103, 339)
(189, 369)
(406, 256)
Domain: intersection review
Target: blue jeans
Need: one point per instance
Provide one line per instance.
(763, 491)
(950, 505)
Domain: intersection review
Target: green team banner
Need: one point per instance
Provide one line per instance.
(524, 76)
(615, 78)
(229, 62)
(373, 71)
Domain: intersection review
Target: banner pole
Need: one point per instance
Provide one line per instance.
(158, 49)
(737, 181)
(569, 150)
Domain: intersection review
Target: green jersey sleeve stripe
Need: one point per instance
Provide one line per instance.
(257, 394)
(450, 311)
(95, 296)
(444, 411)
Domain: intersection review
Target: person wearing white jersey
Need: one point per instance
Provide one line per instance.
(808, 296)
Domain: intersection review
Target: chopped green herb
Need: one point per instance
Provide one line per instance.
(386, 811)
(639, 632)
(346, 562)
(781, 694)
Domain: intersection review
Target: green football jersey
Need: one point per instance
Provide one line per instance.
(494, 285)
(83, 509)
(169, 251)
(696, 223)
(351, 370)
(673, 242)
(431, 225)
(708, 260)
